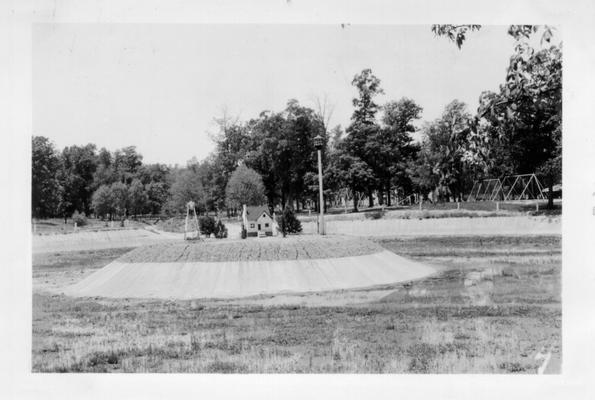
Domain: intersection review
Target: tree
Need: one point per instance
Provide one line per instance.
(207, 225)
(288, 223)
(336, 136)
(368, 87)
(232, 143)
(187, 186)
(103, 202)
(362, 133)
(392, 146)
(244, 187)
(127, 163)
(220, 230)
(347, 171)
(324, 110)
(79, 164)
(521, 125)
(138, 198)
(444, 147)
(282, 151)
(458, 33)
(120, 199)
(45, 187)
(421, 170)
(104, 173)
(157, 196)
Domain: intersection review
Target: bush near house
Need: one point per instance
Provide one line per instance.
(79, 218)
(288, 223)
(220, 230)
(206, 225)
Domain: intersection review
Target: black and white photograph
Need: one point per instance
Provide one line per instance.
(347, 210)
(326, 199)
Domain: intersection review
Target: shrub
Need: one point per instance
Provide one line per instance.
(378, 214)
(206, 225)
(80, 219)
(220, 230)
(288, 223)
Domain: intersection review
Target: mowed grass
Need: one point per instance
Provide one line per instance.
(52, 226)
(465, 209)
(494, 305)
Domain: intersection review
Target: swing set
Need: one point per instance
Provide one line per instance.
(193, 234)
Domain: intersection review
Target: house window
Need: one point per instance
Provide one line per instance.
(266, 225)
(251, 225)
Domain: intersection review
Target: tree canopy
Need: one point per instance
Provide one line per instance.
(244, 187)
(271, 157)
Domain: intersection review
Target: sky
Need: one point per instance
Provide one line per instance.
(160, 86)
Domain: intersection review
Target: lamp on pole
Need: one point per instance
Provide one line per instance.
(319, 143)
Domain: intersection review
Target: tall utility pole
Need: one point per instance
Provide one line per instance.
(319, 143)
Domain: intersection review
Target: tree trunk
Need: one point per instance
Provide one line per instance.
(370, 198)
(388, 203)
(550, 193)
(354, 200)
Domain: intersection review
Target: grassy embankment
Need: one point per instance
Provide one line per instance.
(494, 306)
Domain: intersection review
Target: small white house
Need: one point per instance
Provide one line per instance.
(258, 221)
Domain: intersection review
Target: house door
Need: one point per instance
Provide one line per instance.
(258, 226)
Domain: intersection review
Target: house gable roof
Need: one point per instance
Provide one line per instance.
(253, 212)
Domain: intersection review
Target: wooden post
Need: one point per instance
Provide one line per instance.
(421, 200)
(458, 205)
(537, 206)
(321, 229)
(497, 206)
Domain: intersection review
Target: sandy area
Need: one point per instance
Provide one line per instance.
(187, 280)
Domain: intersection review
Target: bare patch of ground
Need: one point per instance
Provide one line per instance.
(496, 323)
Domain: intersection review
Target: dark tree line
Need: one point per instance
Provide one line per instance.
(80, 178)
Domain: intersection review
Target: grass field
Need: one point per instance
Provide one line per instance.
(53, 226)
(494, 306)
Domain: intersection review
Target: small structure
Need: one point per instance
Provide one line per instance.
(257, 221)
(194, 234)
(513, 187)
